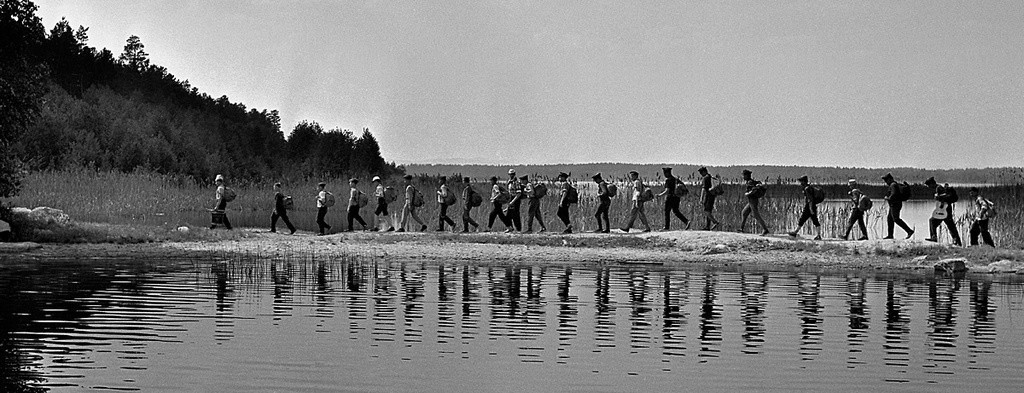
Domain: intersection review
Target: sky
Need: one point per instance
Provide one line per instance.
(932, 83)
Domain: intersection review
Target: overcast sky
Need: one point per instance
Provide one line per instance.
(936, 84)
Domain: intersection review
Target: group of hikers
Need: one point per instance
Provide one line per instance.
(506, 200)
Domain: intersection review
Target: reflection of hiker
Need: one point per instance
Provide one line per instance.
(354, 204)
(640, 195)
(566, 195)
(410, 207)
(219, 213)
(445, 198)
(944, 195)
(381, 214)
(810, 208)
(895, 197)
(755, 190)
(604, 202)
(515, 191)
(707, 199)
(321, 207)
(280, 210)
(468, 205)
(533, 195)
(984, 210)
(498, 197)
(672, 199)
(861, 204)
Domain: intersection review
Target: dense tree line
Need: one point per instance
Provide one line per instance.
(66, 104)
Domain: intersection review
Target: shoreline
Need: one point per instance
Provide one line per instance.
(667, 248)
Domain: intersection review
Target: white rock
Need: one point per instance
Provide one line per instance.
(1003, 266)
(953, 265)
(49, 216)
(182, 229)
(717, 249)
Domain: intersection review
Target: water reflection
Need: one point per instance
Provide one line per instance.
(285, 323)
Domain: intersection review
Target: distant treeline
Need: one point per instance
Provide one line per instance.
(84, 107)
(775, 174)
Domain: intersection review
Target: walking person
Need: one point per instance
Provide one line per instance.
(381, 214)
(672, 200)
(895, 196)
(468, 197)
(223, 195)
(945, 197)
(515, 191)
(638, 203)
(354, 204)
(861, 204)
(280, 210)
(445, 198)
(324, 200)
(810, 209)
(409, 210)
(498, 197)
(755, 191)
(533, 196)
(984, 211)
(604, 199)
(707, 199)
(567, 195)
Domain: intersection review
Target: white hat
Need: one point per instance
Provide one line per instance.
(376, 178)
(219, 178)
(511, 171)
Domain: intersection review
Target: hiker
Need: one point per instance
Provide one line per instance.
(895, 196)
(323, 200)
(755, 190)
(280, 210)
(533, 195)
(515, 190)
(810, 209)
(707, 199)
(946, 197)
(468, 205)
(498, 197)
(604, 202)
(984, 210)
(861, 204)
(638, 203)
(410, 206)
(381, 214)
(354, 205)
(672, 200)
(565, 198)
(223, 196)
(445, 198)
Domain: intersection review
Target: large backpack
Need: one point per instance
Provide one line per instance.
(289, 203)
(450, 199)
(865, 203)
(362, 200)
(571, 195)
(680, 189)
(503, 195)
(540, 190)
(759, 190)
(329, 199)
(991, 209)
(390, 194)
(475, 199)
(613, 190)
(417, 197)
(903, 192)
(951, 196)
(818, 195)
(646, 195)
(228, 194)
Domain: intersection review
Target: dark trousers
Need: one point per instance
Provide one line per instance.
(752, 208)
(808, 214)
(320, 222)
(981, 227)
(219, 217)
(353, 214)
(496, 212)
(602, 213)
(856, 217)
(382, 207)
(533, 211)
(283, 215)
(443, 218)
(672, 206)
(563, 214)
(933, 226)
(467, 218)
(894, 219)
(512, 214)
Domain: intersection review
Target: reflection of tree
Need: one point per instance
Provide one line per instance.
(857, 333)
(753, 299)
(710, 314)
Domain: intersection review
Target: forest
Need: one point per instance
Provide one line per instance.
(67, 105)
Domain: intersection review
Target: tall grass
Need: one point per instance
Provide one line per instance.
(154, 199)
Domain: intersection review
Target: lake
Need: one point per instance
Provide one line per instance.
(344, 324)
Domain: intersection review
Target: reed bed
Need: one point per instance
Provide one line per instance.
(155, 199)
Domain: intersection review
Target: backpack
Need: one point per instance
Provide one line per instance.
(991, 209)
(818, 195)
(390, 194)
(417, 197)
(571, 195)
(329, 199)
(903, 192)
(450, 199)
(647, 195)
(475, 199)
(540, 190)
(865, 203)
(680, 190)
(503, 195)
(228, 195)
(951, 196)
(717, 190)
(289, 203)
(362, 200)
(613, 190)
(759, 190)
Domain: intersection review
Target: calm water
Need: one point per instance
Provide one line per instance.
(345, 325)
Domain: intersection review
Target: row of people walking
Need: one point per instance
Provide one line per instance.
(506, 200)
